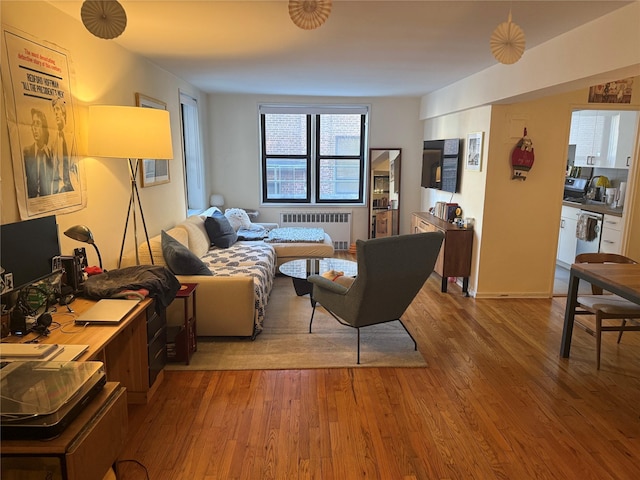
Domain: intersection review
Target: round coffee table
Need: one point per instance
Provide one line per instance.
(299, 270)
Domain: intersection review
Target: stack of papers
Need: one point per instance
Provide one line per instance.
(40, 351)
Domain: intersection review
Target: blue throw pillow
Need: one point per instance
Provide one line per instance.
(180, 260)
(221, 233)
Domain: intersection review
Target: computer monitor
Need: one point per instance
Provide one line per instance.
(27, 249)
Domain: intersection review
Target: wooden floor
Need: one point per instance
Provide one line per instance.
(495, 402)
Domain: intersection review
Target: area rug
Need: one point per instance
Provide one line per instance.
(285, 343)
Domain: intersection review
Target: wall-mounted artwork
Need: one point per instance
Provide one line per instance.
(474, 151)
(612, 92)
(43, 128)
(152, 172)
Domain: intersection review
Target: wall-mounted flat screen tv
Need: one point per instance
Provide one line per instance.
(441, 164)
(27, 249)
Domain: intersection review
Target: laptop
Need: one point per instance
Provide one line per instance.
(107, 311)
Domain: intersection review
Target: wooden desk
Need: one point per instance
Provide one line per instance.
(123, 348)
(620, 278)
(84, 451)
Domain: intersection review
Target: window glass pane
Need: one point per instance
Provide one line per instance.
(339, 179)
(286, 178)
(285, 134)
(340, 134)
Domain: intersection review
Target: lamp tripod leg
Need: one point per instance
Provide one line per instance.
(124, 236)
(144, 224)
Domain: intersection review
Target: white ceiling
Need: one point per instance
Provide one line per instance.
(366, 48)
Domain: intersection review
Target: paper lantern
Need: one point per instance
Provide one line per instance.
(507, 42)
(105, 19)
(309, 14)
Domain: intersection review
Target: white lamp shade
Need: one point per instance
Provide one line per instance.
(129, 132)
(216, 200)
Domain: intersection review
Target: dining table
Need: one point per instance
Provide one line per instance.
(623, 279)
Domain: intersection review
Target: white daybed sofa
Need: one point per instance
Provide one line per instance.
(232, 301)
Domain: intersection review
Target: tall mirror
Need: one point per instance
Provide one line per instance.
(384, 192)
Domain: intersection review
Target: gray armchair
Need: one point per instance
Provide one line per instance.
(391, 271)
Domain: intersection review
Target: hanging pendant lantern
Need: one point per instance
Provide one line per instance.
(309, 14)
(507, 42)
(104, 18)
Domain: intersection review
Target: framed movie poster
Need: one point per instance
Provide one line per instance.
(43, 128)
(152, 172)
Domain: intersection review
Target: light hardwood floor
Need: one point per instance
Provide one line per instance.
(495, 402)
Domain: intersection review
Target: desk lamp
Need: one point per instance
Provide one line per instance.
(82, 233)
(133, 133)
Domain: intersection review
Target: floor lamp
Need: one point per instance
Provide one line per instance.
(133, 133)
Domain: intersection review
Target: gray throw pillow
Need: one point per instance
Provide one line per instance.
(180, 260)
(221, 233)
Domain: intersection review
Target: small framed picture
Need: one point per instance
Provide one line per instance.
(152, 172)
(474, 151)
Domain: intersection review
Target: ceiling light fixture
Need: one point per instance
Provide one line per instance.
(309, 14)
(104, 18)
(507, 42)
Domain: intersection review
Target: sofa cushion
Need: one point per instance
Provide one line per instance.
(220, 231)
(180, 260)
(177, 232)
(199, 242)
(238, 218)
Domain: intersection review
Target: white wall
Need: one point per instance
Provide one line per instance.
(606, 49)
(105, 73)
(517, 222)
(516, 231)
(472, 183)
(235, 152)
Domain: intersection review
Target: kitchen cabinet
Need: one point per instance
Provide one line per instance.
(611, 240)
(454, 259)
(588, 134)
(603, 138)
(567, 235)
(621, 146)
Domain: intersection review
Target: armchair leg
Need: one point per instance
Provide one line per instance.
(415, 344)
(313, 311)
(358, 345)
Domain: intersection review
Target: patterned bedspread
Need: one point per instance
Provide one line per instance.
(295, 234)
(254, 259)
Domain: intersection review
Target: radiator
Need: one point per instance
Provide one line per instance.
(336, 224)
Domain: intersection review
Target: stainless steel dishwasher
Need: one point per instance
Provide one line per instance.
(592, 245)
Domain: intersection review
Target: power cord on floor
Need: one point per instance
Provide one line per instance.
(146, 472)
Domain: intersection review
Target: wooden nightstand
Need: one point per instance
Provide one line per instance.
(182, 340)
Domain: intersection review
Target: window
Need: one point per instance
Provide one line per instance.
(194, 185)
(313, 155)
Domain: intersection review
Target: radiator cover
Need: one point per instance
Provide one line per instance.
(336, 224)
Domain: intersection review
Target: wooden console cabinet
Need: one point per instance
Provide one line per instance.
(454, 259)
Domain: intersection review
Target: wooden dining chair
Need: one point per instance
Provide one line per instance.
(606, 306)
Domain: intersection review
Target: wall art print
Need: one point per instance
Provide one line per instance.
(152, 172)
(43, 127)
(612, 92)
